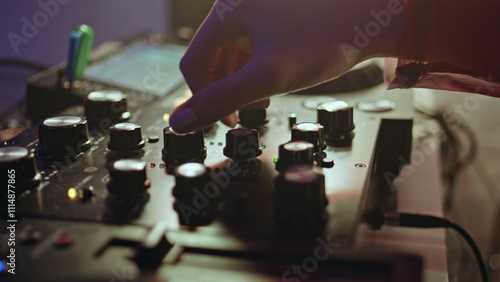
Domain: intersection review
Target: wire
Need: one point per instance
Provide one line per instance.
(428, 221)
(22, 63)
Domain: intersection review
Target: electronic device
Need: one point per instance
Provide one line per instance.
(106, 191)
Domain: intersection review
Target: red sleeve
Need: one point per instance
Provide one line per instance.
(451, 45)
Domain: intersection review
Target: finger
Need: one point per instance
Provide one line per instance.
(230, 120)
(224, 62)
(200, 56)
(256, 80)
(264, 103)
(239, 60)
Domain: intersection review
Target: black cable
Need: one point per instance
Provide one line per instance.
(428, 221)
(16, 62)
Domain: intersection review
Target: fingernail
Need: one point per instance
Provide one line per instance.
(233, 118)
(230, 120)
(183, 120)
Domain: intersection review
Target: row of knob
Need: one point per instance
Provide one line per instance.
(60, 135)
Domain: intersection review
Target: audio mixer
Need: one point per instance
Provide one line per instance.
(105, 190)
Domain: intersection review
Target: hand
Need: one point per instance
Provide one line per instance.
(245, 53)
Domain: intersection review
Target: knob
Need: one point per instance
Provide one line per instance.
(295, 153)
(253, 118)
(337, 118)
(180, 148)
(106, 107)
(63, 135)
(17, 168)
(127, 177)
(125, 137)
(242, 144)
(310, 132)
(195, 194)
(300, 199)
(188, 177)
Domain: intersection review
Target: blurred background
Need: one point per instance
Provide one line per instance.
(474, 193)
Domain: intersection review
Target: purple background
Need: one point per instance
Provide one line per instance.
(110, 19)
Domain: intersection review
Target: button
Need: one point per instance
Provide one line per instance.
(190, 176)
(242, 144)
(62, 136)
(310, 132)
(377, 106)
(127, 177)
(337, 118)
(194, 190)
(86, 193)
(104, 108)
(300, 200)
(292, 120)
(253, 118)
(17, 164)
(295, 153)
(125, 137)
(313, 102)
(153, 138)
(181, 148)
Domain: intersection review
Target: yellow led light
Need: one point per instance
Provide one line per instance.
(166, 117)
(72, 193)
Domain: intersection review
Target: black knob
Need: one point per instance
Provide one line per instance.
(195, 195)
(242, 144)
(310, 132)
(188, 178)
(295, 153)
(18, 169)
(125, 137)
(181, 148)
(337, 118)
(106, 107)
(63, 135)
(127, 177)
(253, 118)
(300, 199)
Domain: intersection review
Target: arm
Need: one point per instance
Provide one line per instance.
(450, 45)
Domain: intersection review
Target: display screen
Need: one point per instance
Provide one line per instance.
(142, 66)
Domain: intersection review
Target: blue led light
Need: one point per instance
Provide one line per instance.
(2, 266)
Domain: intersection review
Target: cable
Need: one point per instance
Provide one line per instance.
(22, 63)
(428, 221)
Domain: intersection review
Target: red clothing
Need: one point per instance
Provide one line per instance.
(450, 45)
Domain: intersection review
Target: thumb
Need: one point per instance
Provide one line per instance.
(259, 78)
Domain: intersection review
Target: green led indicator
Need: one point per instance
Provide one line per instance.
(275, 160)
(220, 144)
(211, 143)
